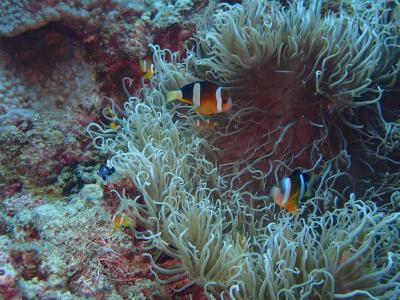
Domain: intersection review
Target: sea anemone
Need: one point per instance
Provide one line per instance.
(231, 248)
(300, 81)
(305, 85)
(349, 252)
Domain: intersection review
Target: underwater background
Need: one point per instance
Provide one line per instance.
(195, 149)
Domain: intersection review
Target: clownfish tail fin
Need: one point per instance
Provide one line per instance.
(174, 95)
(276, 195)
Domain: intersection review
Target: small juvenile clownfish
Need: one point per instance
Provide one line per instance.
(105, 171)
(147, 68)
(207, 97)
(293, 189)
(112, 122)
(114, 125)
(122, 221)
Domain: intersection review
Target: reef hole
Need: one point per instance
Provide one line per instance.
(49, 63)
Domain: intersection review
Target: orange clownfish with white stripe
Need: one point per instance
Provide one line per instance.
(207, 97)
(121, 221)
(294, 189)
(146, 68)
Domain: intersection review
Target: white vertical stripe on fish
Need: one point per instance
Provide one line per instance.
(196, 94)
(302, 186)
(152, 68)
(219, 99)
(286, 186)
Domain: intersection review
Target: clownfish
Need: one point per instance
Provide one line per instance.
(114, 125)
(122, 221)
(112, 121)
(147, 68)
(293, 189)
(207, 97)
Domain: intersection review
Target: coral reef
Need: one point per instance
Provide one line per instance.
(20, 16)
(46, 102)
(64, 247)
(187, 214)
(58, 59)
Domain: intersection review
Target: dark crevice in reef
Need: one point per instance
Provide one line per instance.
(46, 45)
